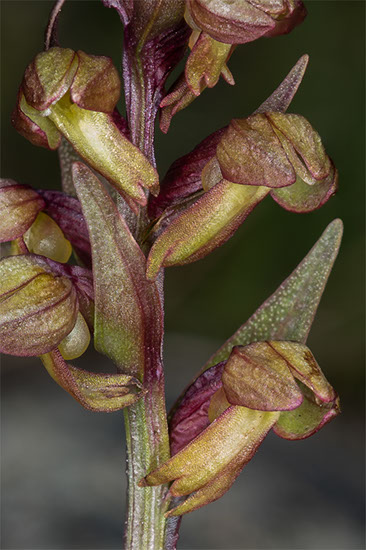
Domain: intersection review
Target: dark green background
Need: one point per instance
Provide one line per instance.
(317, 503)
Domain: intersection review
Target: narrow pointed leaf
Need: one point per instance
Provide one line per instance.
(96, 392)
(288, 314)
(127, 306)
(281, 98)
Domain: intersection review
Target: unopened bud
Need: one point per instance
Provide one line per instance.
(44, 237)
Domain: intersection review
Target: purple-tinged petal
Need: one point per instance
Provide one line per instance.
(96, 392)
(191, 418)
(19, 206)
(258, 377)
(250, 153)
(304, 143)
(96, 85)
(236, 22)
(48, 77)
(296, 13)
(35, 128)
(82, 280)
(304, 367)
(282, 97)
(184, 176)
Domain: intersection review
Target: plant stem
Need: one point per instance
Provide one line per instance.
(146, 522)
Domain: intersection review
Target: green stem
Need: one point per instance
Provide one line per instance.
(146, 522)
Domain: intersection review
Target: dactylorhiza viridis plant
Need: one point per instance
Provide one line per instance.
(88, 262)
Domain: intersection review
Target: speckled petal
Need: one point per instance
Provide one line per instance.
(96, 85)
(49, 76)
(236, 22)
(304, 367)
(306, 144)
(97, 139)
(258, 377)
(250, 153)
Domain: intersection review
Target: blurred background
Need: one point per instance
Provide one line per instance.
(63, 473)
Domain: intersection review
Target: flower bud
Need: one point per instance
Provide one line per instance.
(66, 212)
(19, 206)
(45, 238)
(77, 100)
(77, 341)
(38, 308)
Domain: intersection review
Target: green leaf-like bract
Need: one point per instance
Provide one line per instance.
(288, 314)
(128, 316)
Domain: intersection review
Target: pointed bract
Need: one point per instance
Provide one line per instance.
(281, 98)
(121, 311)
(288, 314)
